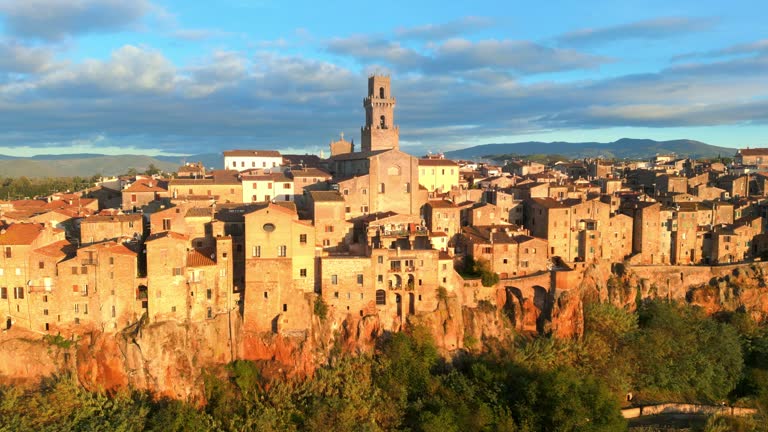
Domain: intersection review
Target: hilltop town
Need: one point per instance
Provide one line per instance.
(274, 241)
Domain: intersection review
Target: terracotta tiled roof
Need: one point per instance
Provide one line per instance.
(309, 172)
(19, 204)
(147, 185)
(199, 212)
(754, 152)
(305, 160)
(20, 234)
(59, 249)
(326, 196)
(115, 218)
(200, 258)
(441, 204)
(255, 153)
(190, 182)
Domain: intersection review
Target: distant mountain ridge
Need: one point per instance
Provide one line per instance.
(631, 148)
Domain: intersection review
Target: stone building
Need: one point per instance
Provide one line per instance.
(100, 228)
(263, 187)
(443, 216)
(757, 157)
(438, 175)
(333, 233)
(380, 177)
(17, 241)
(143, 192)
(222, 186)
(280, 269)
(241, 160)
(509, 249)
(188, 283)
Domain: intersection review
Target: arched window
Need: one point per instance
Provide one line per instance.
(381, 92)
(381, 297)
(383, 122)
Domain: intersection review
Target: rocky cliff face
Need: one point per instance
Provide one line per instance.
(171, 358)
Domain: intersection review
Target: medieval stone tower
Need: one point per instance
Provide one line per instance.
(379, 132)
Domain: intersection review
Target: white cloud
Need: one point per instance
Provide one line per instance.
(129, 69)
(656, 28)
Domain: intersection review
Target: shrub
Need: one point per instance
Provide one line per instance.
(321, 308)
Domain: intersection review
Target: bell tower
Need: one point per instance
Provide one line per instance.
(379, 132)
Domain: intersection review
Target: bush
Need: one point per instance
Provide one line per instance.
(321, 308)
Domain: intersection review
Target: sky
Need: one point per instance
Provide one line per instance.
(186, 77)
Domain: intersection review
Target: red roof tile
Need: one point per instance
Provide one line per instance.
(20, 234)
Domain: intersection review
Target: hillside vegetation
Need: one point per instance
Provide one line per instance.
(664, 352)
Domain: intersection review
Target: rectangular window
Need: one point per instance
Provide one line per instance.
(303, 272)
(334, 280)
(74, 270)
(8, 253)
(256, 252)
(286, 185)
(329, 228)
(177, 271)
(326, 242)
(302, 238)
(380, 259)
(111, 260)
(166, 224)
(83, 270)
(114, 312)
(359, 279)
(45, 312)
(208, 293)
(380, 278)
(282, 251)
(41, 265)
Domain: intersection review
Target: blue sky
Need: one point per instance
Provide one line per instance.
(183, 77)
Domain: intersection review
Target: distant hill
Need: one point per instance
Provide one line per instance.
(88, 164)
(624, 148)
(65, 166)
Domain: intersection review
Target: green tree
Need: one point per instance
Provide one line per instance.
(681, 353)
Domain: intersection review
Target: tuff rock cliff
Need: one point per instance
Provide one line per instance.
(172, 359)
